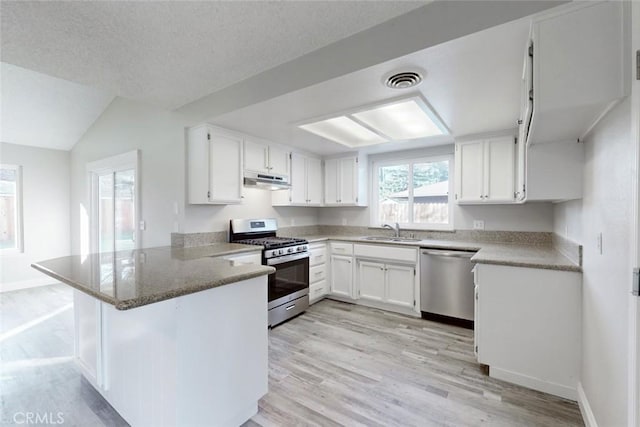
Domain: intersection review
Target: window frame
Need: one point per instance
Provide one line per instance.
(374, 189)
(19, 214)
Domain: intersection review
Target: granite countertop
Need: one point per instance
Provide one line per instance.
(129, 279)
(510, 254)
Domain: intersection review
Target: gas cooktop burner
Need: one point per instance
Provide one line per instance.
(273, 242)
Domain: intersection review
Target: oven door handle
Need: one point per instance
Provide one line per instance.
(287, 258)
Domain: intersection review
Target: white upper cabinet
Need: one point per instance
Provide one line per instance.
(345, 181)
(485, 171)
(577, 70)
(263, 158)
(214, 166)
(306, 183)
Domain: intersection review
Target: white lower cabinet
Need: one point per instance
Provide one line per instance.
(528, 326)
(371, 278)
(400, 286)
(317, 272)
(342, 276)
(386, 283)
(381, 276)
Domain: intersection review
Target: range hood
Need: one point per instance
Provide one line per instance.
(266, 181)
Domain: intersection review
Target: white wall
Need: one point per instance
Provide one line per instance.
(605, 208)
(45, 191)
(160, 136)
(526, 217)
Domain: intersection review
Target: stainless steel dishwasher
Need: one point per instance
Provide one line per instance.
(446, 286)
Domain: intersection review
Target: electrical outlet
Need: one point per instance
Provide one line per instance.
(344, 221)
(599, 243)
(478, 224)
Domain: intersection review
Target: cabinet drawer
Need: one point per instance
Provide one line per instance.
(317, 291)
(318, 256)
(386, 252)
(341, 248)
(317, 273)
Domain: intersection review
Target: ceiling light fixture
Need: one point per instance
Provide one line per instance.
(398, 120)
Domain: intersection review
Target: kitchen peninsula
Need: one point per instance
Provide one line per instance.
(171, 336)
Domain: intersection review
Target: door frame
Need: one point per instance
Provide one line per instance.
(120, 162)
(633, 418)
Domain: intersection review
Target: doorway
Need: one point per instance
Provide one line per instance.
(114, 203)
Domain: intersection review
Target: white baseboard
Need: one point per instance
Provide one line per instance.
(25, 284)
(534, 383)
(585, 408)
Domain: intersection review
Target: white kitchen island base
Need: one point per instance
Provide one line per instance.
(199, 359)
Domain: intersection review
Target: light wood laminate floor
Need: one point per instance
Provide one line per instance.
(343, 364)
(337, 364)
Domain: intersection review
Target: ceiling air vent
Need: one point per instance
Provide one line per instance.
(404, 80)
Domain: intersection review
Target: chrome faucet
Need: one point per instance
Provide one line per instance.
(396, 229)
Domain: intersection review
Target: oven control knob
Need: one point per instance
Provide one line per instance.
(299, 249)
(274, 253)
(290, 250)
(280, 252)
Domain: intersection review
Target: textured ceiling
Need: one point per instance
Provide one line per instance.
(44, 111)
(472, 82)
(171, 53)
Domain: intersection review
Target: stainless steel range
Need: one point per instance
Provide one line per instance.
(289, 285)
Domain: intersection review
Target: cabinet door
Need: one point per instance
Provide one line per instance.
(499, 169)
(400, 285)
(341, 276)
(331, 181)
(88, 341)
(278, 161)
(314, 181)
(469, 171)
(225, 169)
(348, 182)
(371, 280)
(298, 179)
(256, 156)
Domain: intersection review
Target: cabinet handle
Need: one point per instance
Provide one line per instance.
(266, 158)
(317, 273)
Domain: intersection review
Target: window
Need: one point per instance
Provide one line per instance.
(413, 193)
(10, 208)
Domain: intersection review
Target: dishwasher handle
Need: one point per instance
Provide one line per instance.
(449, 254)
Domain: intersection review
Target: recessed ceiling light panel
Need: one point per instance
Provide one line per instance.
(344, 131)
(402, 120)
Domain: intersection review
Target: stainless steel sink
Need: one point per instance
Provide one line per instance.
(391, 239)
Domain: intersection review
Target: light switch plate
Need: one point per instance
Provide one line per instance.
(478, 224)
(142, 225)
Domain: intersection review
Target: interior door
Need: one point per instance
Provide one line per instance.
(371, 280)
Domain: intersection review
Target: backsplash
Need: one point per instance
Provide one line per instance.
(188, 240)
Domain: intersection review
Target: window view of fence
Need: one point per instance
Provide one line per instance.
(414, 193)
